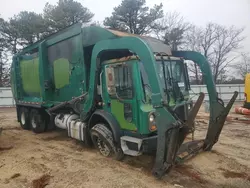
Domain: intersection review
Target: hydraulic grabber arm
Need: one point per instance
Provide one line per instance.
(218, 112)
(171, 136)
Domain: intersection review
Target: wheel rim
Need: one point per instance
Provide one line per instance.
(103, 148)
(23, 118)
(33, 122)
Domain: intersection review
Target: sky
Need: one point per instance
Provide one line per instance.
(198, 12)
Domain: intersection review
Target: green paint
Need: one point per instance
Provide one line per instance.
(171, 101)
(61, 72)
(30, 76)
(117, 109)
(147, 108)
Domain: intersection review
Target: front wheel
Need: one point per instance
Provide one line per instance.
(37, 121)
(103, 140)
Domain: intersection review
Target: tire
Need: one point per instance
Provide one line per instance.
(50, 122)
(24, 118)
(102, 139)
(37, 121)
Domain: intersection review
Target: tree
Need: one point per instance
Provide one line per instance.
(22, 29)
(96, 23)
(243, 65)
(172, 29)
(218, 44)
(193, 42)
(10, 34)
(2, 40)
(134, 16)
(4, 69)
(227, 41)
(31, 27)
(66, 13)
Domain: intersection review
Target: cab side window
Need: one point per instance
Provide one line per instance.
(119, 81)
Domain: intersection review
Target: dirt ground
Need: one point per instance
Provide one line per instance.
(56, 161)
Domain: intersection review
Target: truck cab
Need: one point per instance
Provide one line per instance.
(127, 94)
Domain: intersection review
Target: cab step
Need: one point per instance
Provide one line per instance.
(131, 145)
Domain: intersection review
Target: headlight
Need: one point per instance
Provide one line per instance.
(151, 118)
(152, 123)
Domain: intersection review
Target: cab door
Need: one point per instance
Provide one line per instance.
(120, 94)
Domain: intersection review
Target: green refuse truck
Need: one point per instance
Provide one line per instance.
(122, 93)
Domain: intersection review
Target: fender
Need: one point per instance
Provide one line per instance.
(110, 119)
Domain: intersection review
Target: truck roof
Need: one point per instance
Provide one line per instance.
(92, 35)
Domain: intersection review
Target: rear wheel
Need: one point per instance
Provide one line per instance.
(50, 122)
(103, 140)
(37, 121)
(24, 118)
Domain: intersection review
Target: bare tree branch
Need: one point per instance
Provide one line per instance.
(243, 65)
(227, 40)
(172, 29)
(218, 44)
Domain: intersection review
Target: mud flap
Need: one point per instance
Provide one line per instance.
(216, 122)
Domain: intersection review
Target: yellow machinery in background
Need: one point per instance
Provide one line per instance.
(247, 91)
(245, 109)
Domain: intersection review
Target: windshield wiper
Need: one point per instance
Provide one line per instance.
(169, 80)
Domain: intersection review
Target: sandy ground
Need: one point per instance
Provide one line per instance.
(29, 160)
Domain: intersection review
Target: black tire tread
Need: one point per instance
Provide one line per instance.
(103, 130)
(41, 125)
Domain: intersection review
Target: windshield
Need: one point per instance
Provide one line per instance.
(174, 72)
(173, 79)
